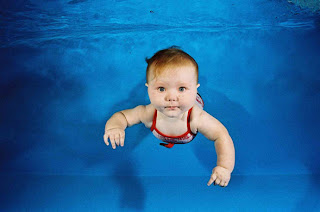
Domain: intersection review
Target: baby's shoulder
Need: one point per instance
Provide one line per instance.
(196, 112)
(147, 115)
(194, 118)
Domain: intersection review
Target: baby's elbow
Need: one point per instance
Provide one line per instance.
(222, 135)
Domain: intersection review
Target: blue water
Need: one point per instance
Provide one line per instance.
(67, 66)
(102, 193)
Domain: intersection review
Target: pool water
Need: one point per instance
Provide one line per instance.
(67, 66)
(103, 193)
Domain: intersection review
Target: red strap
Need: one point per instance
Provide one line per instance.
(169, 145)
(154, 121)
(188, 120)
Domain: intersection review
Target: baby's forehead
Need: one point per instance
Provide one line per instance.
(172, 64)
(175, 76)
(173, 70)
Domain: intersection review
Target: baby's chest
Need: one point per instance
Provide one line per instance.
(172, 128)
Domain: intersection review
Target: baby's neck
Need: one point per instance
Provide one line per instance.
(172, 119)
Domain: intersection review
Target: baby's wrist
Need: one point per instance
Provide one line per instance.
(225, 167)
(114, 128)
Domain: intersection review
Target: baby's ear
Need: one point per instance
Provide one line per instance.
(146, 84)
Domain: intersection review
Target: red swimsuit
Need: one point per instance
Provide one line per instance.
(172, 140)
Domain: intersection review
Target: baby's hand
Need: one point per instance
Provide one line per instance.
(116, 137)
(220, 176)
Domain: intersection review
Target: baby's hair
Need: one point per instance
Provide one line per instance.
(172, 56)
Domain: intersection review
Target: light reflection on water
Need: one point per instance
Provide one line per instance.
(78, 19)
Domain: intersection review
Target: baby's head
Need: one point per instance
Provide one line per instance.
(172, 81)
(169, 58)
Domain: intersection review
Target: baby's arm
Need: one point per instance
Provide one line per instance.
(115, 126)
(212, 129)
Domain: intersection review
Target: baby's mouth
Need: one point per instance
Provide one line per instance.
(171, 107)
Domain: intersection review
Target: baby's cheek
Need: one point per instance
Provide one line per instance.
(153, 97)
(156, 102)
(157, 99)
(189, 98)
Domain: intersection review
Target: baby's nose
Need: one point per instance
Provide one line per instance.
(171, 96)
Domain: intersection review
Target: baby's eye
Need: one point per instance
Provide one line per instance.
(182, 89)
(161, 89)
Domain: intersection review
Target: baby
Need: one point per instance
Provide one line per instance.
(176, 113)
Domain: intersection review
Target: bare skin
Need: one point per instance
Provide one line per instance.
(172, 94)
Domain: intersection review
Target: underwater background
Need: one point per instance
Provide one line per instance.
(67, 66)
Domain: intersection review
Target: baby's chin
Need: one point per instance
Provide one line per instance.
(172, 112)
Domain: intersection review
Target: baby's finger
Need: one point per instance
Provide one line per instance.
(117, 139)
(105, 138)
(122, 139)
(111, 137)
(217, 181)
(212, 179)
(225, 184)
(222, 183)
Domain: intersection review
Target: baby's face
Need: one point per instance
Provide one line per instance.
(174, 91)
